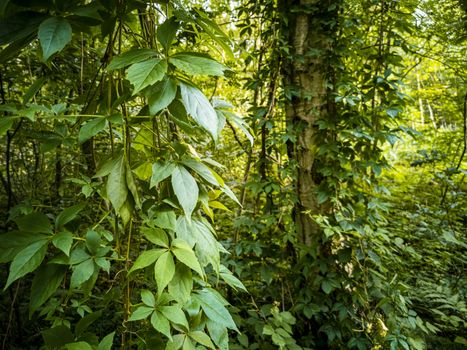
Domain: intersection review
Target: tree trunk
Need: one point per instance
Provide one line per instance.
(307, 76)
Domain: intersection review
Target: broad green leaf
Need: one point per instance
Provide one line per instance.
(148, 298)
(166, 32)
(199, 108)
(56, 337)
(27, 260)
(230, 279)
(91, 128)
(146, 258)
(68, 214)
(130, 57)
(141, 313)
(82, 272)
(156, 236)
(14, 241)
(161, 324)
(103, 263)
(203, 171)
(166, 219)
(218, 334)
(196, 64)
(185, 254)
(54, 33)
(176, 343)
(63, 241)
(188, 344)
(146, 73)
(81, 345)
(117, 189)
(182, 283)
(164, 270)
(78, 255)
(174, 314)
(106, 167)
(161, 171)
(226, 189)
(107, 342)
(201, 338)
(83, 324)
(185, 188)
(93, 241)
(214, 309)
(46, 281)
(33, 89)
(161, 94)
(5, 124)
(206, 245)
(35, 222)
(130, 181)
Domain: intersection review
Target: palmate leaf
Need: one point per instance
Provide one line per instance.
(161, 324)
(200, 109)
(185, 188)
(46, 281)
(164, 270)
(161, 95)
(146, 73)
(117, 189)
(197, 64)
(27, 260)
(185, 254)
(54, 33)
(130, 57)
(214, 309)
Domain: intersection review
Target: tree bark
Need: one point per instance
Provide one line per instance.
(307, 76)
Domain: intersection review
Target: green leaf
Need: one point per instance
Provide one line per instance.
(188, 345)
(185, 188)
(86, 321)
(57, 337)
(148, 298)
(107, 342)
(196, 64)
(130, 181)
(130, 57)
(185, 254)
(161, 94)
(181, 285)
(46, 281)
(203, 171)
(206, 245)
(82, 272)
(91, 128)
(146, 258)
(175, 314)
(81, 345)
(5, 124)
(54, 33)
(164, 270)
(141, 313)
(146, 73)
(93, 241)
(35, 222)
(230, 279)
(161, 324)
(33, 89)
(166, 219)
(161, 171)
(117, 189)
(27, 260)
(68, 214)
(215, 309)
(226, 189)
(198, 106)
(166, 32)
(63, 241)
(202, 338)
(156, 236)
(218, 334)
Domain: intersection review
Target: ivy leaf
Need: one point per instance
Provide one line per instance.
(198, 106)
(141, 313)
(161, 94)
(215, 309)
(46, 281)
(175, 314)
(160, 171)
(185, 254)
(156, 236)
(146, 258)
(91, 128)
(82, 272)
(130, 57)
(54, 33)
(185, 188)
(166, 219)
(182, 283)
(197, 64)
(164, 270)
(63, 241)
(218, 334)
(161, 324)
(117, 189)
(27, 260)
(201, 338)
(146, 73)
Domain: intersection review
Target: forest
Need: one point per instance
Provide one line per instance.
(248, 174)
